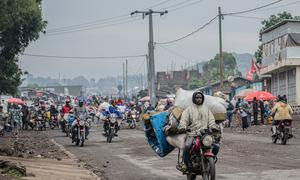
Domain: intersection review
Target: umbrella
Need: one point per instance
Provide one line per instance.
(243, 93)
(15, 101)
(260, 95)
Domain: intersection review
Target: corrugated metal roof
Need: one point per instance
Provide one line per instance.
(279, 24)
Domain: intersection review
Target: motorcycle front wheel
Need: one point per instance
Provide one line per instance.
(82, 140)
(191, 176)
(274, 139)
(132, 126)
(284, 137)
(210, 173)
(109, 136)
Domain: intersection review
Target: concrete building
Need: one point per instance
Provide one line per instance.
(65, 90)
(281, 59)
(170, 81)
(229, 87)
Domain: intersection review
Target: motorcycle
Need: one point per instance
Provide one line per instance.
(40, 123)
(63, 122)
(111, 127)
(132, 118)
(79, 131)
(201, 156)
(68, 130)
(53, 121)
(283, 132)
(91, 114)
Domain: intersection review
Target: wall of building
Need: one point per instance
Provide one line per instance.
(284, 83)
(298, 85)
(290, 27)
(175, 79)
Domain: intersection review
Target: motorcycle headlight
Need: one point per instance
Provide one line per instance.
(113, 120)
(207, 140)
(81, 123)
(133, 116)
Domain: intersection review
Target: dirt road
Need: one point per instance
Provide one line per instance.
(243, 155)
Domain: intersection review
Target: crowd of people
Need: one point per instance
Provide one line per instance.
(194, 118)
(15, 117)
(246, 113)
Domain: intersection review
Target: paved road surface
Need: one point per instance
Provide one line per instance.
(129, 157)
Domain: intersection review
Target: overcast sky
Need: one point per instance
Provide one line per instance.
(240, 34)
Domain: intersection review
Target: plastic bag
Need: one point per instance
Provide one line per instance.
(156, 136)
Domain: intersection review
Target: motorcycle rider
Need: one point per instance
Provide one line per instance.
(80, 111)
(67, 107)
(194, 118)
(281, 111)
(42, 111)
(112, 109)
(71, 117)
(53, 110)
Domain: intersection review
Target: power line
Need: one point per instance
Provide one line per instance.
(83, 57)
(99, 21)
(190, 34)
(175, 53)
(276, 7)
(139, 69)
(83, 25)
(158, 4)
(253, 9)
(95, 22)
(187, 5)
(90, 28)
(175, 5)
(248, 17)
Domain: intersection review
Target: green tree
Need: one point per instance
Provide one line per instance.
(20, 23)
(211, 71)
(273, 19)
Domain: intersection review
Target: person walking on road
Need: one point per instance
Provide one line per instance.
(25, 117)
(244, 116)
(262, 111)
(230, 110)
(255, 110)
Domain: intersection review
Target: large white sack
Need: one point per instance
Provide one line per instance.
(215, 104)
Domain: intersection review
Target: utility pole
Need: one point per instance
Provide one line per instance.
(124, 92)
(221, 51)
(126, 79)
(148, 75)
(152, 88)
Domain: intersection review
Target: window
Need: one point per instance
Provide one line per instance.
(291, 95)
(274, 84)
(282, 83)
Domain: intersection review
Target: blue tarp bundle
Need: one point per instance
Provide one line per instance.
(157, 140)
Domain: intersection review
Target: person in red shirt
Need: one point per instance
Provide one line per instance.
(67, 107)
